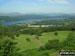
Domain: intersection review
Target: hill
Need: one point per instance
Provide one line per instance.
(17, 16)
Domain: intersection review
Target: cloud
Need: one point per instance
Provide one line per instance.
(56, 1)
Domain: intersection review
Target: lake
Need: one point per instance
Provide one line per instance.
(25, 21)
(21, 21)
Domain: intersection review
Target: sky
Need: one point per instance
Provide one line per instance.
(37, 6)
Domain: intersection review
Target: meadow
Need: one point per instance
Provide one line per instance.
(23, 44)
(36, 41)
(31, 48)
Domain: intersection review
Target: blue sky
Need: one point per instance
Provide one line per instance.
(37, 6)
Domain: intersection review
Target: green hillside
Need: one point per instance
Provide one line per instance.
(24, 45)
(31, 48)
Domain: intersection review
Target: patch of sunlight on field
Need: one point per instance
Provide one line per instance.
(62, 35)
(24, 45)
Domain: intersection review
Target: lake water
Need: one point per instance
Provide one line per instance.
(24, 21)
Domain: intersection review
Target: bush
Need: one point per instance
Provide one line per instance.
(52, 44)
(56, 33)
(73, 29)
(8, 47)
(37, 38)
(69, 43)
(13, 37)
(41, 48)
(28, 40)
(17, 35)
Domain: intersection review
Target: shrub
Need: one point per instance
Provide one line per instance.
(73, 29)
(52, 44)
(8, 47)
(41, 48)
(56, 33)
(28, 40)
(17, 35)
(13, 37)
(37, 38)
(69, 43)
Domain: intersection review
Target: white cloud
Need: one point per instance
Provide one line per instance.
(56, 1)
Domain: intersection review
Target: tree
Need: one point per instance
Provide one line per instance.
(41, 48)
(28, 40)
(69, 43)
(52, 44)
(37, 38)
(56, 33)
(73, 29)
(39, 32)
(7, 47)
(17, 35)
(12, 37)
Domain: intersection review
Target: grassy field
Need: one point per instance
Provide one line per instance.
(62, 35)
(24, 45)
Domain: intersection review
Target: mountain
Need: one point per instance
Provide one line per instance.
(19, 16)
(10, 14)
(16, 14)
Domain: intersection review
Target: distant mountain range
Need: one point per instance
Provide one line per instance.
(10, 14)
(49, 14)
(19, 16)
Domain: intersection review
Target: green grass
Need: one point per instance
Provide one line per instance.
(31, 48)
(62, 35)
(36, 52)
(24, 45)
